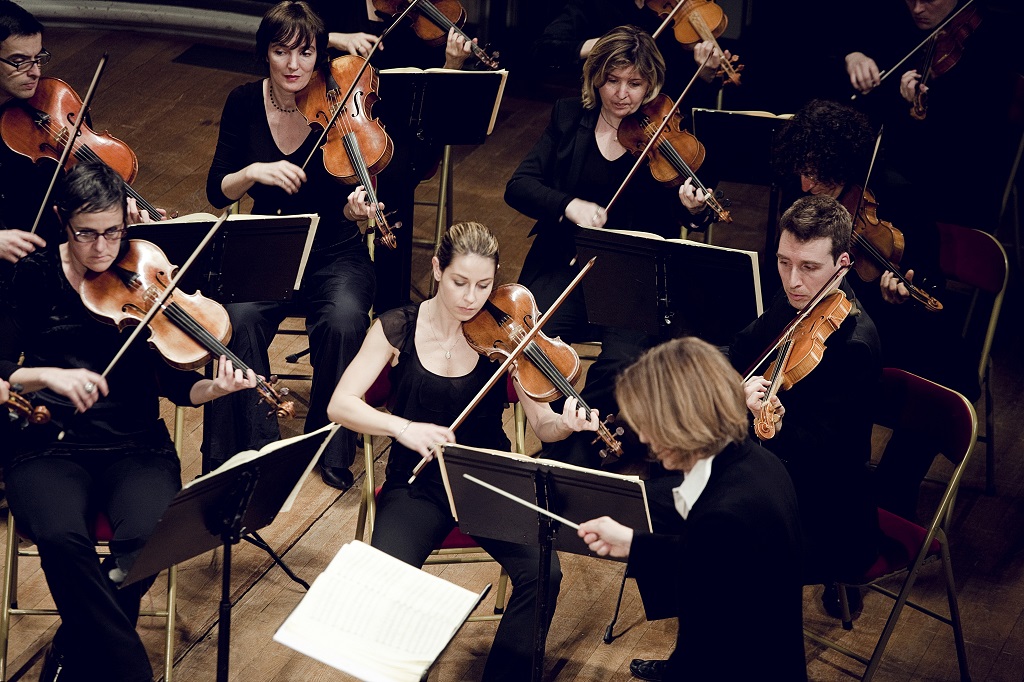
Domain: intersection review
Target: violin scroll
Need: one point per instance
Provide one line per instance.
(764, 422)
(19, 408)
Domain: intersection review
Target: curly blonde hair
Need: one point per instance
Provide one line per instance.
(623, 47)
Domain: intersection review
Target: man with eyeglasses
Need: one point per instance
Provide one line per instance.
(22, 183)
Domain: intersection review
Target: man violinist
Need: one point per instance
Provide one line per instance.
(824, 434)
(22, 183)
(115, 456)
(966, 124)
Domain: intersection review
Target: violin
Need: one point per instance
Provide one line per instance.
(357, 146)
(548, 367)
(189, 330)
(434, 19)
(39, 128)
(677, 154)
(800, 352)
(877, 245)
(20, 409)
(696, 21)
(945, 48)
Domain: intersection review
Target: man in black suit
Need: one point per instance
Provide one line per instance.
(740, 522)
(824, 428)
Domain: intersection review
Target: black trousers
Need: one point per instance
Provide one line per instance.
(410, 528)
(54, 498)
(336, 299)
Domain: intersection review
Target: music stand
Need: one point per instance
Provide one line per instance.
(224, 270)
(219, 508)
(568, 491)
(424, 99)
(744, 144)
(669, 287)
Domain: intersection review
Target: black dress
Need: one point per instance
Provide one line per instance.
(336, 291)
(412, 520)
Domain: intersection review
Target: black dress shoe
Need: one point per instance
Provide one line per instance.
(653, 670)
(830, 601)
(54, 666)
(336, 477)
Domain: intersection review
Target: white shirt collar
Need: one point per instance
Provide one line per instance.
(694, 482)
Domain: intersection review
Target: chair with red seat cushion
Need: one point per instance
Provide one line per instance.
(946, 421)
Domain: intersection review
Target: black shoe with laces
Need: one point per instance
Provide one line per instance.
(653, 670)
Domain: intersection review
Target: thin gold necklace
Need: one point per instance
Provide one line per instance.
(433, 332)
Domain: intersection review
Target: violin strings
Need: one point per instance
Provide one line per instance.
(682, 167)
(180, 317)
(84, 152)
(870, 249)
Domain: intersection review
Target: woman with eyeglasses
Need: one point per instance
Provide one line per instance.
(115, 456)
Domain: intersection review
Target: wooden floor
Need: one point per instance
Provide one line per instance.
(169, 114)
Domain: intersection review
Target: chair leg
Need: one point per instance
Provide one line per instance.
(990, 435)
(954, 613)
(171, 634)
(500, 593)
(10, 563)
(844, 606)
(890, 623)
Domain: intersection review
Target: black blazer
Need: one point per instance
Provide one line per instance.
(549, 178)
(733, 571)
(825, 440)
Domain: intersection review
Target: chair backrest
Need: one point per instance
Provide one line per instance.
(978, 260)
(937, 417)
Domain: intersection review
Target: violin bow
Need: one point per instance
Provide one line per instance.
(655, 136)
(824, 291)
(69, 145)
(512, 357)
(935, 31)
(668, 20)
(352, 86)
(159, 303)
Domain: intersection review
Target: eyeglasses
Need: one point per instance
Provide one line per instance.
(89, 236)
(42, 59)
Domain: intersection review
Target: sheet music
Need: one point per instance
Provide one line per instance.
(376, 617)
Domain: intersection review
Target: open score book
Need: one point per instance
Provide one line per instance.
(375, 617)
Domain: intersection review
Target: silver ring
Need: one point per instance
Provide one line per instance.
(89, 387)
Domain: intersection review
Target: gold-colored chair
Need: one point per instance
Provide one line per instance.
(103, 534)
(945, 421)
(976, 260)
(457, 547)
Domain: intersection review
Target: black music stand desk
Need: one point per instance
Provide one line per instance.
(571, 492)
(242, 496)
(274, 248)
(668, 287)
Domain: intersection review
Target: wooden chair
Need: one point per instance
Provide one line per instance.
(457, 547)
(945, 420)
(977, 260)
(102, 534)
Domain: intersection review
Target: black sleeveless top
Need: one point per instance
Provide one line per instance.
(422, 396)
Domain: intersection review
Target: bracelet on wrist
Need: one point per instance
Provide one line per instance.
(408, 423)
